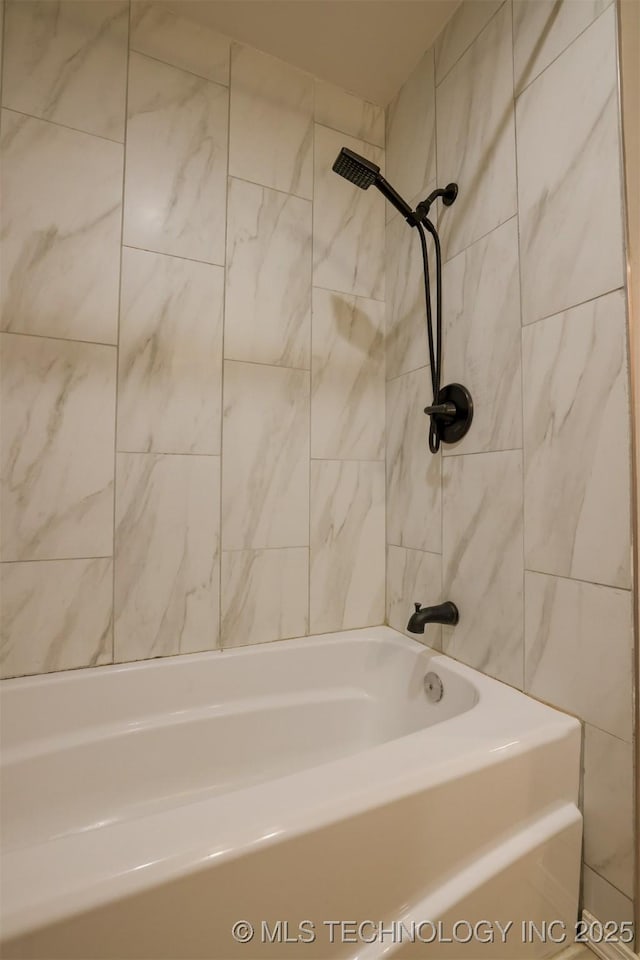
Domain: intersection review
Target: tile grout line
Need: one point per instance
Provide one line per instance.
(2, 48)
(311, 340)
(385, 615)
(441, 491)
(63, 126)
(174, 256)
(220, 644)
(570, 579)
(595, 869)
(573, 306)
(469, 45)
(119, 320)
(173, 66)
(44, 336)
(102, 556)
(520, 304)
(266, 186)
(343, 133)
(530, 83)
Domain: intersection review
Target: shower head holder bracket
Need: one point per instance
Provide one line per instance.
(448, 195)
(453, 413)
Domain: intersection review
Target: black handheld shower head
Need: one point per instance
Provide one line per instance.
(364, 173)
(356, 169)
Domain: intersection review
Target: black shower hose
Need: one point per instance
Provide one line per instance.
(435, 353)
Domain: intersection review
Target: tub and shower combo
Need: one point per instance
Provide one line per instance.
(350, 795)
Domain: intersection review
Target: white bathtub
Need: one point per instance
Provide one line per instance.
(148, 807)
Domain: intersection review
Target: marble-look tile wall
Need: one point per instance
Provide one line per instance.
(525, 523)
(192, 355)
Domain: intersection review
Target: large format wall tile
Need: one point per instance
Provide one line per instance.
(61, 224)
(67, 61)
(347, 545)
(345, 112)
(411, 133)
(542, 29)
(347, 378)
(481, 323)
(271, 122)
(482, 561)
(413, 576)
(170, 358)
(578, 649)
(476, 137)
(413, 473)
(58, 425)
(55, 615)
(264, 595)
(2, 2)
(571, 246)
(406, 319)
(460, 31)
(268, 294)
(576, 441)
(159, 32)
(348, 223)
(265, 462)
(602, 900)
(175, 185)
(167, 555)
(608, 808)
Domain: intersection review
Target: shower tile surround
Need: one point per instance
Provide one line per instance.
(193, 379)
(525, 523)
(192, 356)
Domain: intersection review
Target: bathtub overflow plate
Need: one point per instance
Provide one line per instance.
(433, 687)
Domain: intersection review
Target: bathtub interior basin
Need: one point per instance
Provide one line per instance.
(123, 742)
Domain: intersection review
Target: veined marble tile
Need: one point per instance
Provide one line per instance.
(55, 615)
(413, 473)
(347, 545)
(60, 233)
(608, 808)
(265, 463)
(567, 662)
(265, 595)
(481, 340)
(67, 61)
(413, 576)
(542, 29)
(350, 114)
(159, 32)
(176, 171)
(482, 562)
(476, 137)
(603, 900)
(571, 241)
(406, 316)
(1, 29)
(347, 378)
(271, 135)
(167, 555)
(348, 223)
(576, 442)
(268, 297)
(411, 133)
(58, 425)
(170, 358)
(460, 31)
